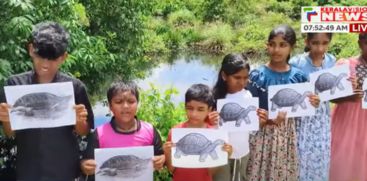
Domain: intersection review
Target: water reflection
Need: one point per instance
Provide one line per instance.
(179, 73)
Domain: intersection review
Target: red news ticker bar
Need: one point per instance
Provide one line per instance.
(358, 28)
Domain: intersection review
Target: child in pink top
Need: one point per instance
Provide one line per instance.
(124, 129)
(348, 124)
(198, 104)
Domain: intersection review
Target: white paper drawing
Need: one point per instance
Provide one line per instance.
(291, 98)
(41, 105)
(198, 147)
(332, 83)
(364, 100)
(128, 164)
(240, 143)
(238, 114)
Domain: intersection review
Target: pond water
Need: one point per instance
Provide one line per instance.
(180, 72)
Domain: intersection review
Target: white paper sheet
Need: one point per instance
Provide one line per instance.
(128, 164)
(41, 105)
(198, 147)
(291, 98)
(238, 114)
(332, 83)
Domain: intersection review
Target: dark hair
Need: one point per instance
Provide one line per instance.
(231, 64)
(362, 36)
(49, 40)
(122, 86)
(311, 35)
(201, 93)
(287, 33)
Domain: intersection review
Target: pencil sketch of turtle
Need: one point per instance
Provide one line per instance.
(328, 81)
(197, 144)
(41, 105)
(127, 166)
(234, 112)
(288, 97)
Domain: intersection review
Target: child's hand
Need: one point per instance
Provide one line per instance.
(228, 148)
(213, 118)
(158, 162)
(358, 92)
(167, 146)
(282, 115)
(263, 116)
(81, 113)
(314, 100)
(88, 166)
(354, 82)
(4, 112)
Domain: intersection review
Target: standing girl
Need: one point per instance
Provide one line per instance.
(273, 154)
(313, 132)
(348, 142)
(232, 79)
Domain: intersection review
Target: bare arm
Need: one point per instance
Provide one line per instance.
(81, 126)
(4, 118)
(167, 152)
(227, 148)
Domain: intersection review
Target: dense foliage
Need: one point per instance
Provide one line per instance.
(222, 26)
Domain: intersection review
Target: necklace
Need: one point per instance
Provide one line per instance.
(132, 128)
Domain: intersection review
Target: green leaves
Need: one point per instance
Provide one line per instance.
(157, 108)
(24, 5)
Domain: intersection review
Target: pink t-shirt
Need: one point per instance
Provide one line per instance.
(192, 174)
(108, 138)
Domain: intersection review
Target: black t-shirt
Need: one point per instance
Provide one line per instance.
(49, 154)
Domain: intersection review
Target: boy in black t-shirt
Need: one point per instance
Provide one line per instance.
(48, 154)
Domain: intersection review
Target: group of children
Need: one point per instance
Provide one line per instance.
(313, 148)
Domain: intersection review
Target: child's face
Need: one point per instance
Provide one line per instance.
(318, 44)
(45, 68)
(196, 112)
(124, 106)
(236, 82)
(279, 49)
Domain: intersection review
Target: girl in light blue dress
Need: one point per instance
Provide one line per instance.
(313, 132)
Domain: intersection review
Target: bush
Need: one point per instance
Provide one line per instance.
(158, 109)
(153, 43)
(254, 34)
(344, 45)
(181, 18)
(218, 36)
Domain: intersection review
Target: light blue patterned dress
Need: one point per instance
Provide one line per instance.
(313, 132)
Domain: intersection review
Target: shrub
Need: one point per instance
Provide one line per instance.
(181, 18)
(217, 36)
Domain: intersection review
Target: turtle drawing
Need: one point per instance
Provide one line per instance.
(327, 81)
(127, 166)
(41, 105)
(234, 112)
(197, 144)
(289, 98)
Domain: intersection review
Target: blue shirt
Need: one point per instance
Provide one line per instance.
(263, 77)
(304, 62)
